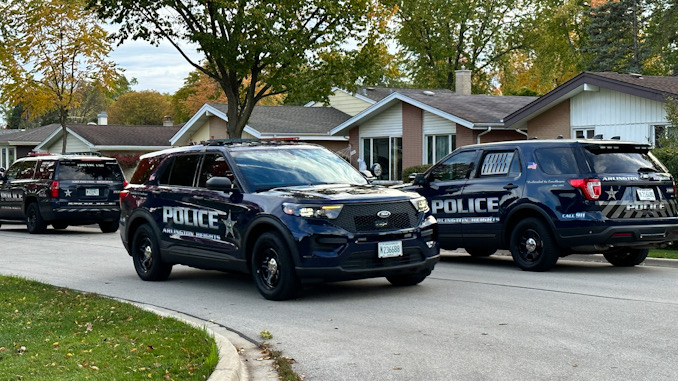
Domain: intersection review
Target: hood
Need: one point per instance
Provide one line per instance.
(341, 193)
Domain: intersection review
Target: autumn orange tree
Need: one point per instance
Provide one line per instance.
(49, 49)
(137, 108)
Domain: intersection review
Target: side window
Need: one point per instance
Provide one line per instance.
(500, 164)
(456, 167)
(45, 170)
(556, 161)
(21, 170)
(166, 170)
(214, 165)
(145, 168)
(183, 170)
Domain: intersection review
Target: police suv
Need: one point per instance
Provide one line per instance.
(284, 212)
(551, 198)
(62, 190)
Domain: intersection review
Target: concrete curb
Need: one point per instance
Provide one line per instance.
(230, 366)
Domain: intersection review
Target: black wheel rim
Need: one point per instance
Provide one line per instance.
(268, 270)
(531, 246)
(145, 254)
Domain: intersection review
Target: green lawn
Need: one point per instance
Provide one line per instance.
(50, 333)
(663, 253)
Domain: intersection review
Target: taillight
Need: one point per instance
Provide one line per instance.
(124, 183)
(590, 187)
(123, 194)
(54, 189)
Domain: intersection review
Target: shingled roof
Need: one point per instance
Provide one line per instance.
(32, 136)
(119, 135)
(292, 119)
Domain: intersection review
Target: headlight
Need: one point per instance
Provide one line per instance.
(420, 204)
(312, 211)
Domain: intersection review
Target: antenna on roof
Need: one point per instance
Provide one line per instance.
(429, 93)
(616, 138)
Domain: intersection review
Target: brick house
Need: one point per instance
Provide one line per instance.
(630, 106)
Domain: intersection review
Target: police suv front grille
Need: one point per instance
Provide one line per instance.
(365, 260)
(364, 218)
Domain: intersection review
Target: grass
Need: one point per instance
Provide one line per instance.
(663, 253)
(50, 333)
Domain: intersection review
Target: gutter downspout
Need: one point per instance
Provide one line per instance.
(522, 133)
(482, 133)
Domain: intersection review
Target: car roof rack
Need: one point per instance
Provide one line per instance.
(228, 142)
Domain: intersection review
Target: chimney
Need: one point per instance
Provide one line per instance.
(167, 122)
(102, 118)
(462, 82)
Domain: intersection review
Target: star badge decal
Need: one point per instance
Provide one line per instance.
(67, 193)
(612, 194)
(229, 224)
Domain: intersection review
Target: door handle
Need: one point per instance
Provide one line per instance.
(510, 186)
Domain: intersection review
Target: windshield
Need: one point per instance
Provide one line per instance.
(622, 162)
(276, 167)
(90, 170)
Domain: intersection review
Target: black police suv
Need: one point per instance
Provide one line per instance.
(284, 212)
(62, 190)
(551, 198)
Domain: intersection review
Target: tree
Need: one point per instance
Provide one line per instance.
(138, 108)
(48, 49)
(95, 99)
(615, 38)
(551, 52)
(439, 37)
(662, 36)
(277, 44)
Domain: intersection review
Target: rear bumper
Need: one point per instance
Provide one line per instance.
(637, 236)
(81, 216)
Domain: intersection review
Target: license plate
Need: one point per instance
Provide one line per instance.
(92, 192)
(390, 249)
(645, 194)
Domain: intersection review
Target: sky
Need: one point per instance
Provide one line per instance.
(159, 68)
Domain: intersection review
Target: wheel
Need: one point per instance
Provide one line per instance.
(532, 245)
(109, 226)
(59, 225)
(273, 268)
(480, 251)
(408, 279)
(627, 257)
(146, 256)
(34, 221)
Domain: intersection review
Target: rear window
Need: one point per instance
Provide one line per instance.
(557, 161)
(145, 169)
(90, 171)
(622, 162)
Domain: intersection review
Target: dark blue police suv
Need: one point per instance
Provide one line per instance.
(546, 199)
(283, 211)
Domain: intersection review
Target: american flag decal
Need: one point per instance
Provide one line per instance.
(531, 165)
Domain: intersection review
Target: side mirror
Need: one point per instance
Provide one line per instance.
(223, 184)
(368, 175)
(420, 179)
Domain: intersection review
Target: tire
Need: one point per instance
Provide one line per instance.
(59, 225)
(532, 245)
(409, 279)
(480, 251)
(109, 226)
(146, 256)
(273, 268)
(626, 257)
(34, 222)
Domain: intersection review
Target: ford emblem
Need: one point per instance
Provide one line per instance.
(384, 214)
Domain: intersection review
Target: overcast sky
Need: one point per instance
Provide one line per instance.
(155, 68)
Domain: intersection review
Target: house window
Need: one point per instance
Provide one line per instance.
(438, 146)
(584, 133)
(7, 156)
(388, 153)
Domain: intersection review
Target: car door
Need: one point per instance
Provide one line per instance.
(488, 195)
(13, 189)
(443, 189)
(221, 234)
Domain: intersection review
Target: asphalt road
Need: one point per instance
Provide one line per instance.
(472, 319)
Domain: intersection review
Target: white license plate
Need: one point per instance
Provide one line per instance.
(645, 194)
(91, 191)
(390, 249)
